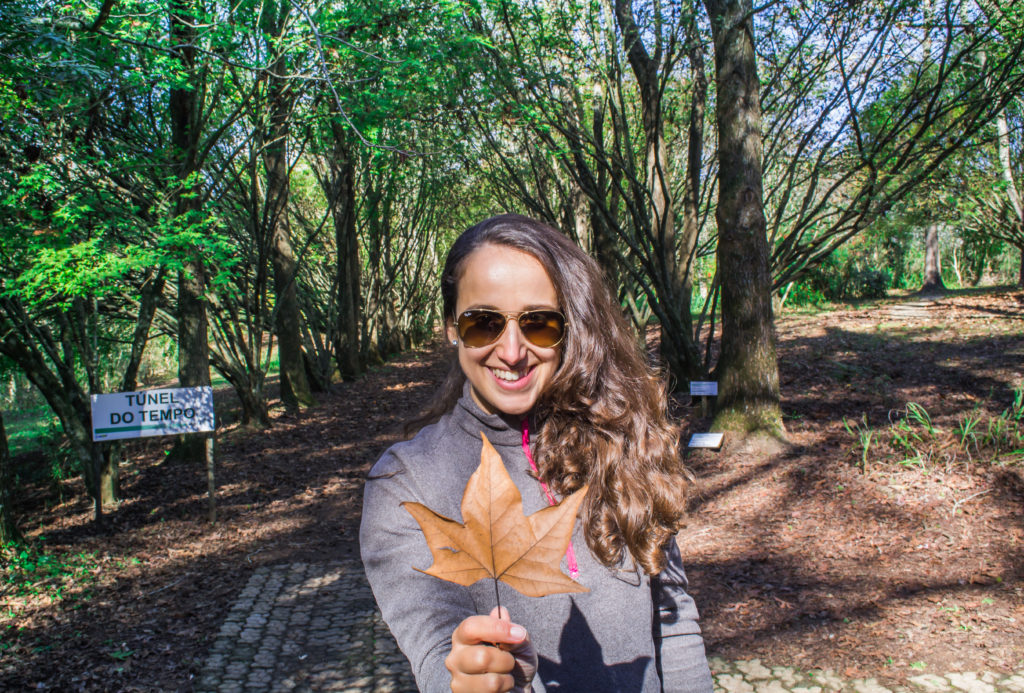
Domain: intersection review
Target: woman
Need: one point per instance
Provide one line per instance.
(549, 371)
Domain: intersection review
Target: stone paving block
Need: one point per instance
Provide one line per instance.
(868, 686)
(207, 682)
(970, 683)
(1013, 683)
(931, 682)
(719, 665)
(236, 670)
(827, 679)
(753, 669)
(215, 661)
(733, 683)
(787, 675)
(260, 677)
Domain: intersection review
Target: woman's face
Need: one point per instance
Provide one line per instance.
(509, 375)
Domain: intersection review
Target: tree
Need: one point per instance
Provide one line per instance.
(185, 108)
(677, 347)
(748, 374)
(565, 122)
(987, 197)
(74, 245)
(8, 528)
(933, 283)
(281, 97)
(857, 119)
(1012, 230)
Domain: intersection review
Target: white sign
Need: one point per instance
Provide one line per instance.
(152, 413)
(703, 388)
(706, 440)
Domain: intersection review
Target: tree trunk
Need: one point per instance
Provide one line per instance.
(581, 218)
(254, 408)
(295, 391)
(1006, 169)
(932, 283)
(691, 187)
(678, 351)
(152, 290)
(78, 333)
(50, 364)
(193, 347)
(748, 372)
(603, 237)
(250, 394)
(8, 528)
(1012, 191)
(347, 348)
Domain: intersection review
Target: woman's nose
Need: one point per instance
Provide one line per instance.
(511, 345)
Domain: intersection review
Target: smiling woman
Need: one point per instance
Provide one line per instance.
(508, 373)
(548, 370)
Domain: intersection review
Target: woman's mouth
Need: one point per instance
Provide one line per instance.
(510, 376)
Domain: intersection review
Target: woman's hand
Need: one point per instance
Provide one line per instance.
(491, 654)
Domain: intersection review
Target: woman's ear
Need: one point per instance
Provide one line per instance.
(450, 333)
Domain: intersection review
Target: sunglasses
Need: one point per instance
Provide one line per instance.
(480, 327)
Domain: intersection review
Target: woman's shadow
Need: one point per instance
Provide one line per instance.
(578, 650)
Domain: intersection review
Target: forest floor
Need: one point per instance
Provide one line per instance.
(870, 545)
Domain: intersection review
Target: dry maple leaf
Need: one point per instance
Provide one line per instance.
(497, 540)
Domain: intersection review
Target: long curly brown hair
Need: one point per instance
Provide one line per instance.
(603, 417)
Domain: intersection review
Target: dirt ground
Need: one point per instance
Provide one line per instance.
(877, 563)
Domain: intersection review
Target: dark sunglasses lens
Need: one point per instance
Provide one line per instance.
(544, 328)
(479, 328)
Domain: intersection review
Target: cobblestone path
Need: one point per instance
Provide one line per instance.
(315, 627)
(306, 627)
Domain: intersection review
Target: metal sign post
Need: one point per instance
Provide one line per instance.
(703, 389)
(164, 412)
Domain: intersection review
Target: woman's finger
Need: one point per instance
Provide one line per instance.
(485, 683)
(479, 659)
(487, 629)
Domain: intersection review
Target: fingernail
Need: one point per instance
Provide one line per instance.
(517, 632)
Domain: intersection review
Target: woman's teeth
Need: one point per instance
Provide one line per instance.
(511, 376)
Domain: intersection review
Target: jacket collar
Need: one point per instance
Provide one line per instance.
(500, 429)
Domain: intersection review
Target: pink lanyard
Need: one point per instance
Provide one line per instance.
(570, 555)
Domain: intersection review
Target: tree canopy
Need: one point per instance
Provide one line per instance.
(273, 185)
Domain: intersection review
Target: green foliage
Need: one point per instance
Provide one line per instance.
(846, 274)
(864, 435)
(32, 571)
(913, 440)
(1004, 433)
(966, 431)
(41, 454)
(801, 294)
(911, 436)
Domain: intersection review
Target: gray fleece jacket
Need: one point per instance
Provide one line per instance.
(628, 633)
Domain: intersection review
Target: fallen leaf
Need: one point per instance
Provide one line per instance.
(497, 540)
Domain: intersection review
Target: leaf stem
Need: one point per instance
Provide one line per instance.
(496, 597)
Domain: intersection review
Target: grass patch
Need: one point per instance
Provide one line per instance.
(30, 571)
(913, 440)
(30, 429)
